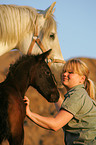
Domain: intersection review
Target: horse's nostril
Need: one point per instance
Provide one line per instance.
(54, 97)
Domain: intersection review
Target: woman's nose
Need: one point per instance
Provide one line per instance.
(65, 74)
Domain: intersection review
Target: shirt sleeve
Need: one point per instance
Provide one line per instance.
(73, 103)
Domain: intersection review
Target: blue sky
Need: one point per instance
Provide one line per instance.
(76, 24)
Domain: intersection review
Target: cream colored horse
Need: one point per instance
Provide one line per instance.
(19, 24)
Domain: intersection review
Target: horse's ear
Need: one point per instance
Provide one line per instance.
(50, 10)
(44, 55)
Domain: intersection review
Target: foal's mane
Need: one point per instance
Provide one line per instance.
(28, 59)
(18, 20)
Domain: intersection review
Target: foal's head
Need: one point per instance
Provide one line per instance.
(43, 79)
(32, 70)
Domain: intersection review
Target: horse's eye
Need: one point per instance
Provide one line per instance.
(52, 36)
(47, 72)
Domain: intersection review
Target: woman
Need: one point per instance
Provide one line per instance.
(77, 112)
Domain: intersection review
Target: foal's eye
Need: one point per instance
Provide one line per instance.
(52, 36)
(47, 72)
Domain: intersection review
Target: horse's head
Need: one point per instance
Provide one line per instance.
(43, 79)
(46, 30)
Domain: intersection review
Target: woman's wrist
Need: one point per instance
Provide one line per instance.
(28, 112)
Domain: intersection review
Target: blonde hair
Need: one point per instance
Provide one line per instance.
(79, 67)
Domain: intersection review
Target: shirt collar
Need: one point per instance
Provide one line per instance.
(73, 88)
(78, 86)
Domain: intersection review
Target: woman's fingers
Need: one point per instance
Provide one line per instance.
(26, 100)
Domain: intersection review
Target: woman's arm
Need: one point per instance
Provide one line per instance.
(51, 123)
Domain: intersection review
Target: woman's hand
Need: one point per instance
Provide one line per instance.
(26, 101)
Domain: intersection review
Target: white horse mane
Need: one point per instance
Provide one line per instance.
(18, 20)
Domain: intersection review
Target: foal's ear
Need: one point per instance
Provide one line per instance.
(44, 55)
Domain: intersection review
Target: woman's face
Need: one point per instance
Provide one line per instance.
(70, 79)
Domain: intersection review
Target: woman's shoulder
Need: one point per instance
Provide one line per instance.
(76, 92)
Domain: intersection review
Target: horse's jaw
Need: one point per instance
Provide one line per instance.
(57, 69)
(6, 47)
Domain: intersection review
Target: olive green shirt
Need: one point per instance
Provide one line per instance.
(83, 108)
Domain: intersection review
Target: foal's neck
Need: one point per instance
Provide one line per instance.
(19, 85)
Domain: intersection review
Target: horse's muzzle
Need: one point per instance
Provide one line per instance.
(54, 97)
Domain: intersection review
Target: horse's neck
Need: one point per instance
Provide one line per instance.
(20, 37)
(18, 85)
(22, 86)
